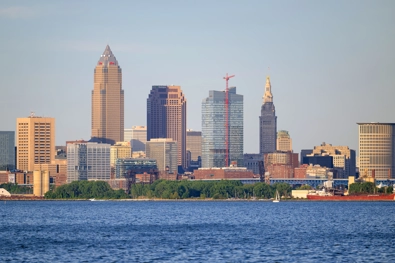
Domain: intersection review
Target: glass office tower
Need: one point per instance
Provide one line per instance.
(213, 129)
(7, 150)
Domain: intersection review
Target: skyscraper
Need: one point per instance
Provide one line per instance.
(377, 149)
(267, 122)
(167, 117)
(35, 141)
(7, 150)
(107, 100)
(213, 129)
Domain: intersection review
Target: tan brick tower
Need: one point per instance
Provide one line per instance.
(107, 100)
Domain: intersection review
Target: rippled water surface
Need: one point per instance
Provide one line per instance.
(84, 231)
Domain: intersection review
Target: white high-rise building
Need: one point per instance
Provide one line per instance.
(88, 161)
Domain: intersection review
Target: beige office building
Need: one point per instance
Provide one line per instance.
(167, 117)
(35, 141)
(194, 144)
(164, 151)
(108, 100)
(376, 149)
(120, 150)
(284, 141)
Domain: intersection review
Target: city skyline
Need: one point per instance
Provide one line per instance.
(322, 69)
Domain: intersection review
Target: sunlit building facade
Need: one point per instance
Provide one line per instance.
(284, 141)
(35, 141)
(107, 100)
(167, 117)
(376, 149)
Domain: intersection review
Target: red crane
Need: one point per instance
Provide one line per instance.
(227, 120)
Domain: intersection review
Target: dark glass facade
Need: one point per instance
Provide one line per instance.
(125, 166)
(213, 129)
(324, 161)
(7, 150)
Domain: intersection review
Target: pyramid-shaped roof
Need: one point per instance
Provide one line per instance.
(107, 58)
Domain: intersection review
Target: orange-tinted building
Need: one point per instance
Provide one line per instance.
(35, 141)
(108, 100)
(300, 172)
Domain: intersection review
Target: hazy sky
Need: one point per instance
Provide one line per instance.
(332, 63)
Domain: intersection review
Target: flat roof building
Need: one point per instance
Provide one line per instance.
(377, 149)
(35, 141)
(164, 151)
(88, 161)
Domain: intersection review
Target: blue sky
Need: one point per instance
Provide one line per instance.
(332, 63)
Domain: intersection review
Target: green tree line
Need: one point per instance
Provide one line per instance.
(202, 189)
(85, 190)
(368, 188)
(16, 189)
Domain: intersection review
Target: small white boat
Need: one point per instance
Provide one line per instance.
(277, 199)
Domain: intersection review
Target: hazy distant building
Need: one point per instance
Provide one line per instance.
(138, 138)
(213, 129)
(7, 150)
(35, 141)
(251, 161)
(267, 122)
(284, 141)
(194, 143)
(107, 100)
(167, 117)
(165, 152)
(120, 150)
(88, 161)
(377, 149)
(343, 158)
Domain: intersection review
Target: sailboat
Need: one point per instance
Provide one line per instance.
(277, 198)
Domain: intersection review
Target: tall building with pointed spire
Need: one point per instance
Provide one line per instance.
(107, 100)
(267, 122)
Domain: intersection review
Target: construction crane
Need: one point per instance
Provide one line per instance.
(227, 120)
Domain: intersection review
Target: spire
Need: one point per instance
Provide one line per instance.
(268, 96)
(107, 58)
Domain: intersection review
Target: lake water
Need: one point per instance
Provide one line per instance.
(84, 231)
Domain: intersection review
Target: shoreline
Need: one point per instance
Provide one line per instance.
(185, 200)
